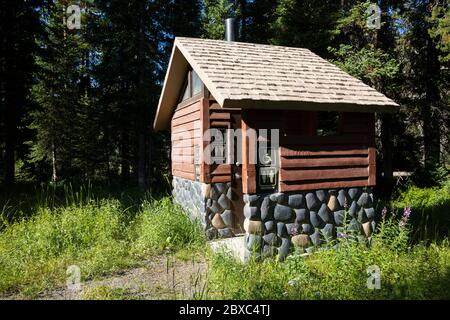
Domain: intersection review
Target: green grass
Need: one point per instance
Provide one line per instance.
(163, 227)
(98, 235)
(35, 253)
(414, 261)
(107, 293)
(106, 232)
(431, 211)
(419, 272)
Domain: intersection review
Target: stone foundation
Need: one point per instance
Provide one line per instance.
(189, 195)
(277, 222)
(208, 203)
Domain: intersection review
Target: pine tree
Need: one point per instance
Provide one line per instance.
(365, 53)
(306, 23)
(60, 94)
(19, 25)
(439, 31)
(262, 16)
(215, 13)
(135, 41)
(423, 74)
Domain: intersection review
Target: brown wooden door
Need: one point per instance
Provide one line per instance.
(237, 203)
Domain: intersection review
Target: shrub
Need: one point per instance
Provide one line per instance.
(431, 211)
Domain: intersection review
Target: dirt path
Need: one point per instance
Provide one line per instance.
(161, 277)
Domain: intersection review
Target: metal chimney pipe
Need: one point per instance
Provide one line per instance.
(230, 29)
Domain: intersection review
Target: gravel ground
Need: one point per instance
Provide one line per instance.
(161, 277)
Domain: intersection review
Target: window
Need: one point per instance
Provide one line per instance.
(327, 123)
(267, 162)
(192, 85)
(186, 93)
(196, 83)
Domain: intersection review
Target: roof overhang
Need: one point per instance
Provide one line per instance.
(173, 82)
(179, 63)
(307, 106)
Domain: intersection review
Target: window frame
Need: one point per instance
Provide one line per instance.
(338, 124)
(187, 86)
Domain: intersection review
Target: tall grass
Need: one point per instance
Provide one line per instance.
(431, 208)
(25, 200)
(35, 253)
(98, 234)
(419, 272)
(163, 226)
(46, 231)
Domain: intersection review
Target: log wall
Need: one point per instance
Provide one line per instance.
(185, 134)
(306, 161)
(310, 162)
(220, 118)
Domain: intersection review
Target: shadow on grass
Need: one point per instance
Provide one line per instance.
(22, 200)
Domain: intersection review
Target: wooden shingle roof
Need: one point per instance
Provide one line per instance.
(247, 75)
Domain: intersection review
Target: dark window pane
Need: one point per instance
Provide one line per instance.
(327, 123)
(186, 93)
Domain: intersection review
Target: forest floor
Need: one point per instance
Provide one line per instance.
(160, 277)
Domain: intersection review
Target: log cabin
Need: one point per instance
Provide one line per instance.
(306, 169)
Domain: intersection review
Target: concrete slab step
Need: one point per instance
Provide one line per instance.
(234, 246)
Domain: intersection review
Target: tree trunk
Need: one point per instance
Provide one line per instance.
(430, 111)
(141, 161)
(54, 175)
(244, 15)
(125, 165)
(141, 105)
(387, 151)
(10, 131)
(9, 153)
(12, 106)
(10, 90)
(149, 166)
(387, 121)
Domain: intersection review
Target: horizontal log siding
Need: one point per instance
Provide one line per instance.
(185, 134)
(309, 162)
(345, 160)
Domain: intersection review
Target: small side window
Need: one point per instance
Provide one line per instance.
(196, 83)
(186, 93)
(192, 85)
(327, 123)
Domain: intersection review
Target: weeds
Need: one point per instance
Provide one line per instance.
(419, 272)
(107, 233)
(35, 253)
(431, 207)
(98, 235)
(165, 227)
